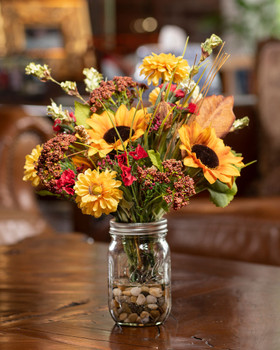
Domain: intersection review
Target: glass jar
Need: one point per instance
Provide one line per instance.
(139, 272)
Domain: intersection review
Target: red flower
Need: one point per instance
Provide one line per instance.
(172, 87)
(192, 108)
(139, 153)
(72, 115)
(122, 159)
(127, 177)
(178, 93)
(56, 125)
(66, 182)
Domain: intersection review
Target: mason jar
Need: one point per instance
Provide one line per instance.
(139, 273)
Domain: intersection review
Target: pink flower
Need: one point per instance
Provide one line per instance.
(66, 182)
(127, 177)
(139, 153)
(56, 125)
(122, 159)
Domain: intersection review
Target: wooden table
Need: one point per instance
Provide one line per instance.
(53, 296)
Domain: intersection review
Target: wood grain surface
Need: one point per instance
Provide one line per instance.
(53, 296)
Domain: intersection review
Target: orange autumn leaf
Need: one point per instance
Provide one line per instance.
(217, 112)
(82, 161)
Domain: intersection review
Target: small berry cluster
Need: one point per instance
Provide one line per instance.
(48, 166)
(179, 187)
(113, 88)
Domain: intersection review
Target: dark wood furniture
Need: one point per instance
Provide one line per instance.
(248, 229)
(20, 132)
(268, 103)
(53, 295)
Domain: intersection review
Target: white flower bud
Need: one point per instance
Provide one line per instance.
(93, 78)
(70, 87)
(41, 72)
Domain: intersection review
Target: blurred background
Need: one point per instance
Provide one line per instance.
(113, 36)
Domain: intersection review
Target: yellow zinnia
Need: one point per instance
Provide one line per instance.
(154, 95)
(130, 124)
(97, 192)
(164, 66)
(203, 149)
(30, 174)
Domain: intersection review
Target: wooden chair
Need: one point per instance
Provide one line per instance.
(247, 230)
(20, 132)
(267, 77)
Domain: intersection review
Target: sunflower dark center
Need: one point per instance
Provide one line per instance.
(206, 155)
(111, 135)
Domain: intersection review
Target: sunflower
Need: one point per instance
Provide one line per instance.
(130, 125)
(165, 67)
(30, 174)
(97, 192)
(203, 149)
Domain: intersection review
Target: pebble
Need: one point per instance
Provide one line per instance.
(133, 299)
(139, 304)
(123, 316)
(126, 308)
(156, 292)
(127, 292)
(151, 299)
(132, 317)
(117, 292)
(144, 314)
(141, 299)
(135, 291)
(145, 289)
(122, 298)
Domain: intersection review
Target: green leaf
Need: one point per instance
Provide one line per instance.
(240, 123)
(126, 204)
(82, 113)
(67, 164)
(46, 193)
(159, 209)
(220, 194)
(155, 159)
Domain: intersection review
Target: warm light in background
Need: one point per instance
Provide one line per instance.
(142, 25)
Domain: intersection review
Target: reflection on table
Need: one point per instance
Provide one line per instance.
(53, 295)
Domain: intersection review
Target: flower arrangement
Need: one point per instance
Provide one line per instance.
(134, 158)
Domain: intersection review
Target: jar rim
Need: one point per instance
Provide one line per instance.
(138, 228)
